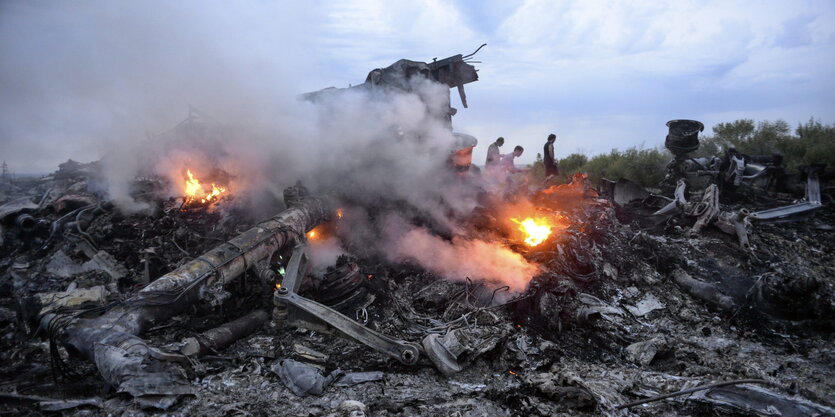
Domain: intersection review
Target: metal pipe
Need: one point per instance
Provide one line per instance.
(220, 337)
(26, 223)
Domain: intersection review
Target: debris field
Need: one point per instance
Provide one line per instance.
(608, 297)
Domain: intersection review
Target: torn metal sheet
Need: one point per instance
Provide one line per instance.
(353, 378)
(626, 191)
(14, 207)
(813, 202)
(646, 305)
(758, 401)
(72, 298)
(63, 266)
(63, 405)
(303, 379)
(642, 353)
(703, 290)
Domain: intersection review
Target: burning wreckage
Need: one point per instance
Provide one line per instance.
(560, 300)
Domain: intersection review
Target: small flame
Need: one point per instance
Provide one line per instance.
(312, 235)
(536, 230)
(216, 191)
(339, 213)
(277, 285)
(194, 190)
(512, 372)
(192, 186)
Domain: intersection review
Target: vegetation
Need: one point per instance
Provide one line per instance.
(810, 143)
(644, 166)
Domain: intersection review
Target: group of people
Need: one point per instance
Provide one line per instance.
(497, 162)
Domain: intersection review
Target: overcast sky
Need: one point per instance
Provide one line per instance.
(599, 74)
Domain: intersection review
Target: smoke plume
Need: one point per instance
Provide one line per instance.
(462, 258)
(98, 79)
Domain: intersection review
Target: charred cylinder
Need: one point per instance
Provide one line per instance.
(220, 337)
(189, 282)
(26, 223)
(683, 136)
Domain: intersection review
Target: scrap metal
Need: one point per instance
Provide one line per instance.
(300, 311)
(111, 340)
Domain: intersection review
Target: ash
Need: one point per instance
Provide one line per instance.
(624, 308)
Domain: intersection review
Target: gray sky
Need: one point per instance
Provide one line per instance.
(79, 78)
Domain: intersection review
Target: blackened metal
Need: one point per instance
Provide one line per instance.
(683, 136)
(26, 223)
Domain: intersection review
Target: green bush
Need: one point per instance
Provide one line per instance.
(643, 166)
(811, 143)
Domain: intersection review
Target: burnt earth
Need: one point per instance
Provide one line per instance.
(604, 324)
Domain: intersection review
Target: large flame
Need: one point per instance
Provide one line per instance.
(195, 191)
(536, 230)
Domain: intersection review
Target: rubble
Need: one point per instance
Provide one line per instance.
(683, 302)
(303, 379)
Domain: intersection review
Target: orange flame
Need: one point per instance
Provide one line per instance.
(536, 230)
(314, 234)
(194, 190)
(339, 213)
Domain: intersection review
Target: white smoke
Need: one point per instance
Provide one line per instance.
(463, 258)
(114, 76)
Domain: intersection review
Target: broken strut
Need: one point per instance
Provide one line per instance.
(298, 310)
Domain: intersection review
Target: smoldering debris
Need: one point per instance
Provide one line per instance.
(360, 293)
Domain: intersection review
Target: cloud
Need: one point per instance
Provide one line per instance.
(608, 74)
(602, 73)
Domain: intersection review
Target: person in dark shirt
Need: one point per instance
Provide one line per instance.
(550, 161)
(493, 152)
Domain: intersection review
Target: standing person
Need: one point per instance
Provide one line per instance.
(493, 152)
(550, 161)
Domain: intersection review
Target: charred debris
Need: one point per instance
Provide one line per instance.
(711, 295)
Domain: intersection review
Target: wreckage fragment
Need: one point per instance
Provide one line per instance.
(303, 379)
(406, 352)
(643, 353)
(683, 136)
(812, 201)
(703, 290)
(354, 378)
(220, 337)
(759, 401)
(708, 212)
(445, 350)
(298, 310)
(110, 341)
